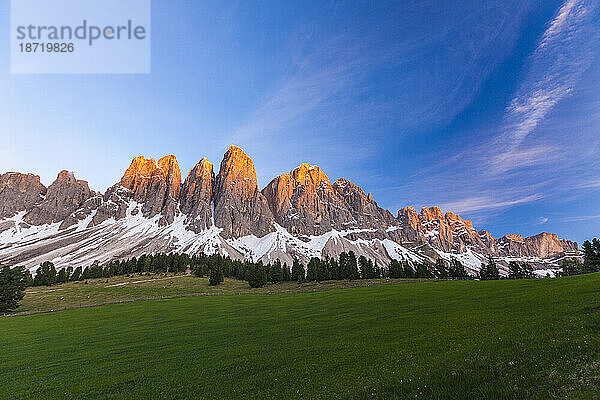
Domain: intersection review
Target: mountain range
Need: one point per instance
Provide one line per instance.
(299, 214)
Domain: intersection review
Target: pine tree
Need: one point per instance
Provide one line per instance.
(423, 271)
(297, 271)
(76, 275)
(216, 275)
(514, 270)
(12, 288)
(28, 278)
(367, 270)
(275, 275)
(45, 275)
(441, 270)
(571, 266)
(352, 266)
(489, 271)
(457, 270)
(257, 276)
(334, 269)
(409, 272)
(285, 273)
(62, 276)
(395, 269)
(312, 269)
(591, 254)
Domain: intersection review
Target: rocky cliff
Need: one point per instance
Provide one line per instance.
(196, 196)
(240, 209)
(542, 245)
(305, 203)
(19, 192)
(299, 214)
(154, 184)
(63, 197)
(450, 233)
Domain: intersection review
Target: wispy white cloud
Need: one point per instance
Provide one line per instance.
(591, 184)
(543, 220)
(580, 218)
(524, 157)
(318, 76)
(560, 23)
(329, 79)
(556, 65)
(486, 203)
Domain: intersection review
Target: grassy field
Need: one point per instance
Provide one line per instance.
(154, 286)
(536, 339)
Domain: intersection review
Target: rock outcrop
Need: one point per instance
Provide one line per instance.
(19, 192)
(63, 197)
(450, 233)
(150, 210)
(542, 245)
(364, 210)
(155, 184)
(305, 203)
(196, 196)
(240, 209)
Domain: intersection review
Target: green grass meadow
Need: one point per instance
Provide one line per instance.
(527, 339)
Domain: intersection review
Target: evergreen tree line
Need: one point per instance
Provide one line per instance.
(591, 260)
(217, 267)
(490, 271)
(346, 266)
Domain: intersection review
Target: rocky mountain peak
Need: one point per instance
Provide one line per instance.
(239, 207)
(541, 245)
(237, 167)
(196, 195)
(407, 216)
(19, 192)
(451, 217)
(63, 197)
(344, 185)
(517, 238)
(309, 175)
(155, 184)
(431, 213)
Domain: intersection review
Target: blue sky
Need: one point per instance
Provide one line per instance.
(489, 109)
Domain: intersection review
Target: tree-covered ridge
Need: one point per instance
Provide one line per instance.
(217, 267)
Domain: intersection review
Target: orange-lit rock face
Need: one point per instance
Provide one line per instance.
(431, 213)
(237, 169)
(196, 195)
(514, 237)
(155, 184)
(447, 232)
(310, 176)
(408, 216)
(450, 233)
(145, 174)
(541, 245)
(240, 208)
(304, 202)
